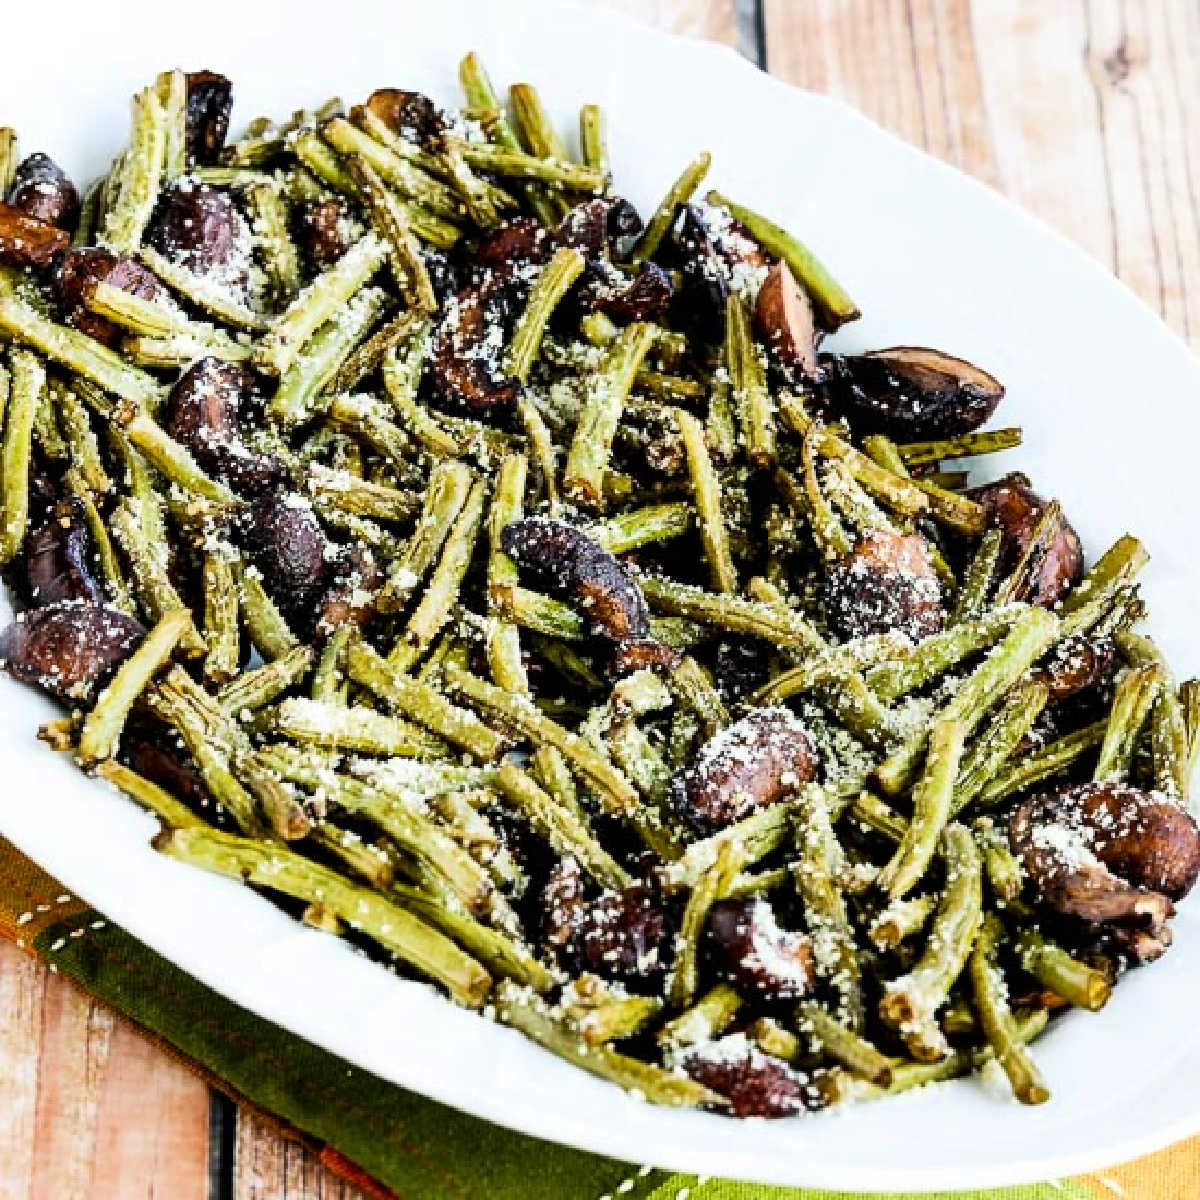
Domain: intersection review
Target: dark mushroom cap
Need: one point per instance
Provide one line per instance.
(202, 412)
(200, 228)
(1076, 665)
(1014, 508)
(754, 954)
(320, 232)
(624, 227)
(886, 583)
(753, 763)
(912, 392)
(350, 599)
(783, 317)
(466, 360)
(699, 303)
(78, 272)
(69, 648)
(1107, 852)
(42, 190)
(286, 543)
(412, 115)
(585, 228)
(209, 101)
(644, 297)
(754, 1083)
(623, 936)
(57, 558)
(28, 242)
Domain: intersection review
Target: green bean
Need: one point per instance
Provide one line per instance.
(321, 301)
(364, 416)
(280, 259)
(141, 174)
(555, 280)
(748, 383)
(900, 920)
(27, 389)
(830, 665)
(1042, 764)
(269, 632)
(1025, 642)
(771, 1038)
(222, 633)
(104, 724)
(370, 355)
(910, 1003)
(642, 526)
(71, 349)
(441, 594)
(754, 837)
(332, 726)
(712, 885)
(421, 703)
(972, 600)
(1135, 694)
(537, 612)
(172, 813)
(541, 446)
(1051, 965)
(150, 319)
(997, 1019)
(1001, 867)
(992, 749)
(181, 349)
(81, 441)
(504, 641)
(259, 686)
(10, 157)
(360, 497)
(989, 441)
(707, 1019)
(1019, 581)
(593, 137)
(601, 414)
(47, 437)
(706, 490)
(530, 1015)
(1189, 703)
(845, 1045)
(814, 874)
(834, 307)
(115, 586)
(1168, 732)
(171, 87)
(204, 293)
(361, 859)
(613, 1018)
(680, 192)
(1117, 565)
(398, 931)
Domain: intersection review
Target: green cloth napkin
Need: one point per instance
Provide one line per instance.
(408, 1146)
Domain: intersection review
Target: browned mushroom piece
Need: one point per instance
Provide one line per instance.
(562, 904)
(285, 542)
(585, 228)
(412, 115)
(783, 317)
(751, 764)
(320, 232)
(350, 599)
(1077, 664)
(623, 936)
(755, 1084)
(57, 558)
(912, 392)
(624, 227)
(1014, 508)
(644, 297)
(209, 101)
(69, 648)
(143, 749)
(77, 274)
(199, 227)
(1108, 852)
(42, 190)
(28, 242)
(202, 412)
(466, 358)
(754, 954)
(886, 583)
(569, 564)
(698, 307)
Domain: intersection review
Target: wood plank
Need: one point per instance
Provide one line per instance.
(91, 1108)
(269, 1167)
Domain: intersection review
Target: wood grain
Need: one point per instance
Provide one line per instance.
(91, 1109)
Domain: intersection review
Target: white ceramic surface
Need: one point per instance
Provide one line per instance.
(1107, 397)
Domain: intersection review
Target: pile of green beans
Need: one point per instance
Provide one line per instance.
(375, 771)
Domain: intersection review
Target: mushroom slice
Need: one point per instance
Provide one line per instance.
(466, 353)
(886, 583)
(350, 600)
(756, 955)
(412, 115)
(623, 935)
(28, 242)
(42, 190)
(209, 100)
(1015, 509)
(57, 555)
(1077, 664)
(1108, 852)
(320, 231)
(200, 228)
(69, 648)
(783, 315)
(754, 1083)
(751, 764)
(912, 392)
(76, 276)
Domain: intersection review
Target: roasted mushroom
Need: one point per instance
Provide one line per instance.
(209, 100)
(285, 542)
(754, 1083)
(699, 303)
(754, 954)
(202, 412)
(350, 599)
(624, 227)
(1107, 852)
(1015, 509)
(1076, 665)
(28, 242)
(912, 392)
(58, 558)
(199, 227)
(42, 190)
(886, 583)
(753, 763)
(783, 317)
(69, 648)
(623, 936)
(465, 361)
(77, 274)
(412, 115)
(320, 232)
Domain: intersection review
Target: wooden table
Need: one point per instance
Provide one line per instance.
(1084, 111)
